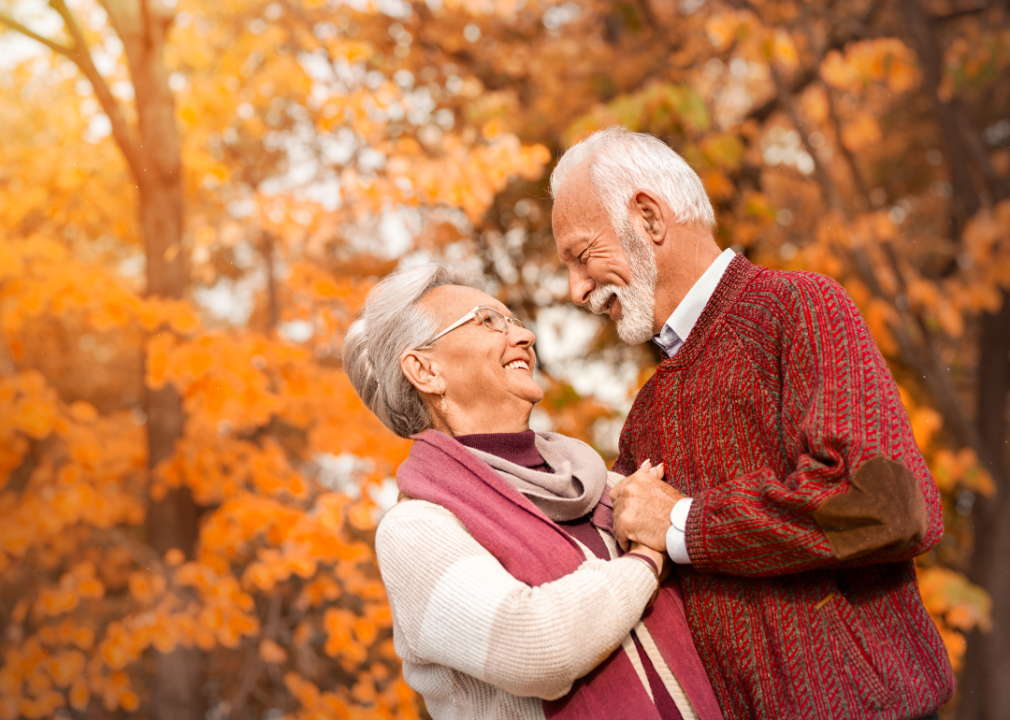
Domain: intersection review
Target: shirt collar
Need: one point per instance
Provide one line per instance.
(685, 316)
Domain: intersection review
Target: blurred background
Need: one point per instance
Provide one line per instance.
(196, 196)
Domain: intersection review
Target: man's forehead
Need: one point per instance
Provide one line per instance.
(577, 212)
(575, 186)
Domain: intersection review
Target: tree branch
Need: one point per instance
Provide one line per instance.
(785, 101)
(81, 55)
(845, 152)
(253, 664)
(14, 25)
(965, 202)
(954, 14)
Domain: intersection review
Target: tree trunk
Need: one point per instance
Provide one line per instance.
(155, 161)
(172, 521)
(985, 692)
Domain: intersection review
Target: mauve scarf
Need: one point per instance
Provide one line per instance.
(536, 551)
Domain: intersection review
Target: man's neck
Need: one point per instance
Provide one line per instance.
(680, 267)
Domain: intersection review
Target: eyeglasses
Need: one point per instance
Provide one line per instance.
(489, 317)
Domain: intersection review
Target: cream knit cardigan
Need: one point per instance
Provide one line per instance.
(477, 643)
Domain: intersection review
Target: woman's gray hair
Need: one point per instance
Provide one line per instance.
(390, 324)
(623, 162)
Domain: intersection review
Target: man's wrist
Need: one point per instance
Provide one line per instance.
(676, 536)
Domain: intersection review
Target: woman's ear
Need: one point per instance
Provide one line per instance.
(422, 373)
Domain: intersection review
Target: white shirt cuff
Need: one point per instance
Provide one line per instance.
(676, 542)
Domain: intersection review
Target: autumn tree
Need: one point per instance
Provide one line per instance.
(184, 486)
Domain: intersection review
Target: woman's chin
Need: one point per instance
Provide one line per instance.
(530, 391)
(526, 401)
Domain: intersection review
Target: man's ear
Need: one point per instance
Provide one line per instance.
(422, 373)
(652, 213)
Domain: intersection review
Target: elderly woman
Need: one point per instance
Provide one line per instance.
(510, 597)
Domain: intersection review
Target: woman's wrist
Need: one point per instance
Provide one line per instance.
(648, 560)
(657, 558)
(653, 560)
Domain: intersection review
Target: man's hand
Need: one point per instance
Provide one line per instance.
(642, 505)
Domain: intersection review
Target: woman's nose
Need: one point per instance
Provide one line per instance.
(521, 337)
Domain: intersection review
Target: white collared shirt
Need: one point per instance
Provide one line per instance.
(685, 316)
(671, 339)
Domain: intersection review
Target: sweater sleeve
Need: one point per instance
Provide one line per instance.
(455, 605)
(859, 491)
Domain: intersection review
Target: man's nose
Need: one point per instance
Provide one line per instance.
(581, 287)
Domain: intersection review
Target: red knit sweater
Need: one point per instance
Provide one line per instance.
(780, 418)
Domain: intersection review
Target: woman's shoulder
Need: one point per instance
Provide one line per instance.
(411, 518)
(409, 507)
(417, 539)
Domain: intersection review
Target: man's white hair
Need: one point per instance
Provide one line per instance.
(624, 162)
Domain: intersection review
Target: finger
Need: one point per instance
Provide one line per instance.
(622, 539)
(657, 472)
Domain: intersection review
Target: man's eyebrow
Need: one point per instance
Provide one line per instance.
(581, 242)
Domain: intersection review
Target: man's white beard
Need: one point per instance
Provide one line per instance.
(638, 299)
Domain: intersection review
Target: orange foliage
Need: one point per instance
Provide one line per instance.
(306, 129)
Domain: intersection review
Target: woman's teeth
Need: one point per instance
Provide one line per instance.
(518, 365)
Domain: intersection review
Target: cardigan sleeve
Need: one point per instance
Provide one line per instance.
(859, 491)
(455, 605)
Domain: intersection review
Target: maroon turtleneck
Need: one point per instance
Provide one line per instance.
(521, 449)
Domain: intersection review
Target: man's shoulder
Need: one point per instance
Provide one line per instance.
(790, 294)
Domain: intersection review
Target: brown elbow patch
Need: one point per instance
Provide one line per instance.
(883, 509)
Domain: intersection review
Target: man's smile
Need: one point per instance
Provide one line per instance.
(613, 308)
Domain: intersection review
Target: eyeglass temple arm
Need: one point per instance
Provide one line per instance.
(465, 319)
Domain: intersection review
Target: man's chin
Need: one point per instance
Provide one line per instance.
(632, 333)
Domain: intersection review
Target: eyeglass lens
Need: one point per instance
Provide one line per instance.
(495, 320)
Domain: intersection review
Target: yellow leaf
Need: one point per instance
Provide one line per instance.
(83, 412)
(838, 72)
(158, 350)
(66, 667)
(926, 422)
(35, 417)
(271, 652)
(861, 132)
(79, 695)
(784, 50)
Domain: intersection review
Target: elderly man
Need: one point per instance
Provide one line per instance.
(794, 497)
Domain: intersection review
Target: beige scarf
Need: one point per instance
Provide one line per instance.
(568, 493)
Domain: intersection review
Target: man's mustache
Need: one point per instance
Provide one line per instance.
(599, 298)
